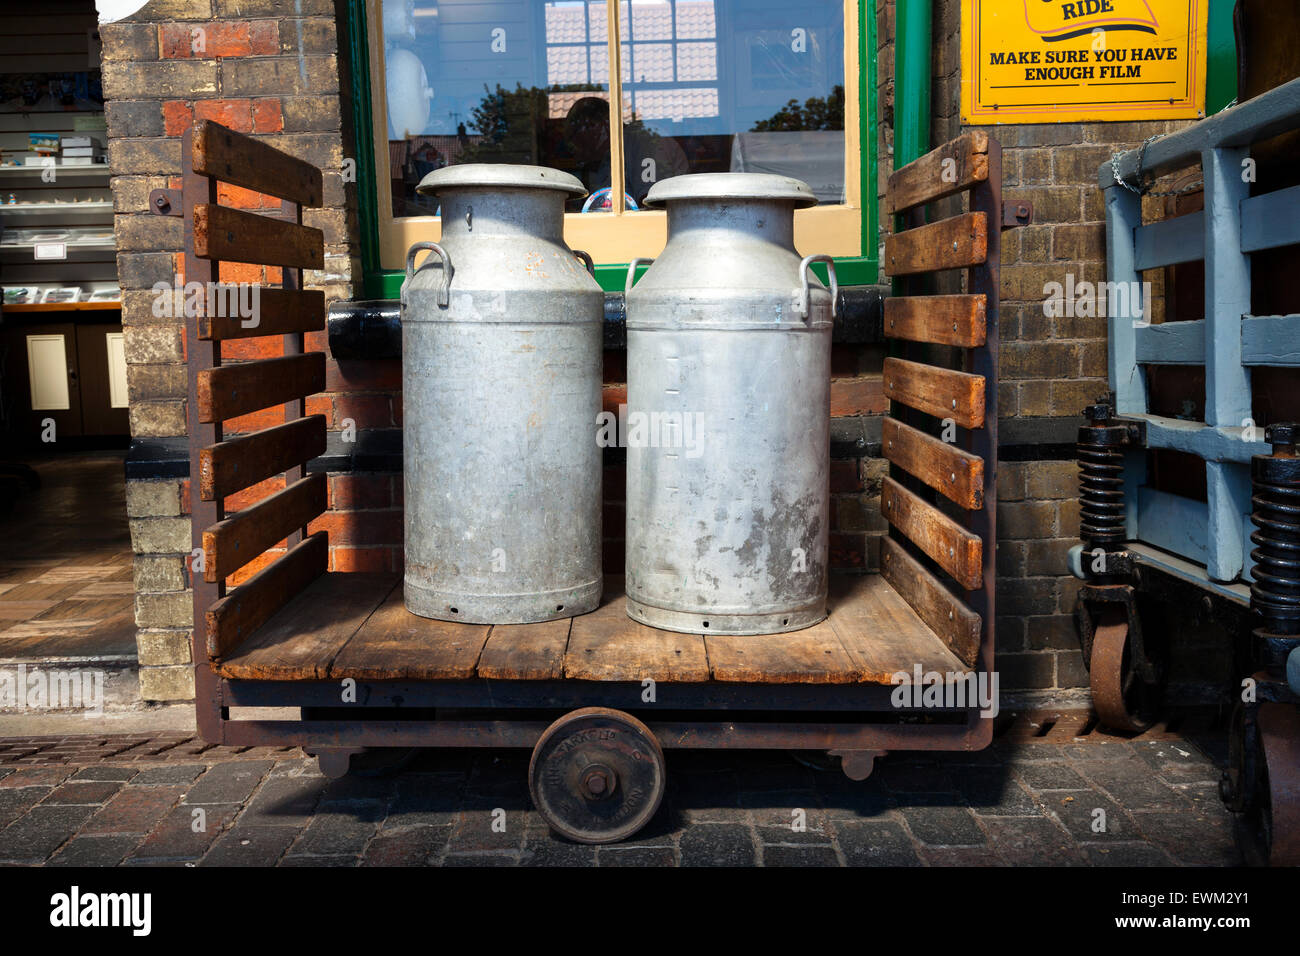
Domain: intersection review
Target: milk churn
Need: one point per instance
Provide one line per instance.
(501, 373)
(728, 358)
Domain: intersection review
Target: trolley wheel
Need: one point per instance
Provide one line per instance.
(1262, 783)
(597, 775)
(1122, 699)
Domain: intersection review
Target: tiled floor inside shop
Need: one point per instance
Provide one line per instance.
(65, 564)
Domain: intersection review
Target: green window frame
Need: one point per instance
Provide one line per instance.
(378, 283)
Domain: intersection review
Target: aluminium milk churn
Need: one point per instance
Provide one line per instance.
(728, 417)
(501, 378)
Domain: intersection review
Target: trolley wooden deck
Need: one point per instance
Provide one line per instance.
(355, 626)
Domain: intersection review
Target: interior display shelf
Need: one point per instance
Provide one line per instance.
(63, 306)
(55, 208)
(93, 169)
(79, 237)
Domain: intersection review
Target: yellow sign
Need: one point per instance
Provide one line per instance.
(1069, 61)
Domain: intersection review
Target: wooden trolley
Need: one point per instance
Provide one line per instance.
(598, 696)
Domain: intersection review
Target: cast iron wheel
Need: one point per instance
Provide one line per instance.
(597, 775)
(1122, 699)
(1271, 822)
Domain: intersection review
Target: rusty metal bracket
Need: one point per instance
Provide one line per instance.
(165, 202)
(1135, 430)
(1016, 212)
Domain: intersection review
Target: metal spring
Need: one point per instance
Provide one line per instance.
(1275, 592)
(1101, 494)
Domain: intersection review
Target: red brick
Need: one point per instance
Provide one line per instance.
(268, 117)
(264, 37)
(255, 421)
(356, 492)
(177, 118)
(363, 376)
(360, 559)
(216, 39)
(857, 396)
(612, 396)
(845, 477)
(360, 527)
(848, 550)
(242, 198)
(134, 810)
(321, 405)
(257, 347)
(248, 570)
(242, 272)
(176, 40)
(365, 411)
(251, 496)
(235, 114)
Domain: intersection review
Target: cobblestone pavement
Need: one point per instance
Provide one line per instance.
(1048, 799)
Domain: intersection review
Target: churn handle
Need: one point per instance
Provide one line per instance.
(586, 260)
(444, 295)
(631, 273)
(803, 305)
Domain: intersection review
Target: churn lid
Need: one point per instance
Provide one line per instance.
(731, 186)
(500, 176)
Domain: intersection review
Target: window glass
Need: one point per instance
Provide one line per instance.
(469, 81)
(708, 85)
(733, 85)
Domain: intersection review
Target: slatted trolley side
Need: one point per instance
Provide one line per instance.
(219, 391)
(941, 434)
(365, 672)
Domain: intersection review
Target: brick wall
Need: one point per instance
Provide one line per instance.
(1050, 367)
(274, 70)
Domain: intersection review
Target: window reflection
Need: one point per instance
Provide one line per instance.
(708, 85)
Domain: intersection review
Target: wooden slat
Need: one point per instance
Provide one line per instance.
(813, 655)
(948, 244)
(230, 544)
(954, 623)
(229, 391)
(955, 473)
(235, 158)
(960, 320)
(233, 618)
(394, 643)
(940, 392)
(279, 312)
(952, 547)
(955, 166)
(607, 645)
(881, 632)
(525, 651)
(233, 235)
(301, 641)
(242, 462)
